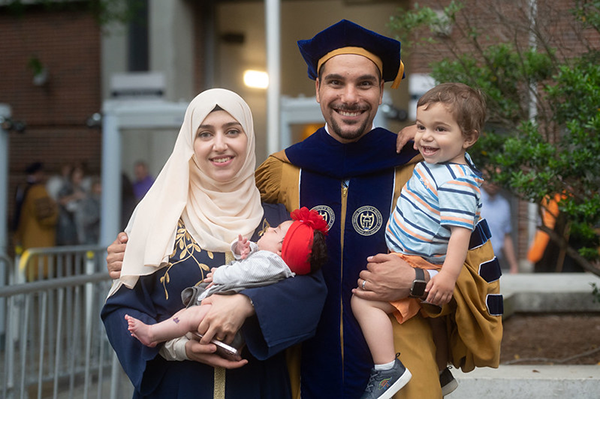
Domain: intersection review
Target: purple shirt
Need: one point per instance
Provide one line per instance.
(140, 188)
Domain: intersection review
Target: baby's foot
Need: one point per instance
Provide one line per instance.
(140, 331)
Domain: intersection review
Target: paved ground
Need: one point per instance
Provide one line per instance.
(529, 382)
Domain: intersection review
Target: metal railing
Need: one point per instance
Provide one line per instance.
(55, 345)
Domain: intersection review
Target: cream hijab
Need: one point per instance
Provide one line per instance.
(214, 212)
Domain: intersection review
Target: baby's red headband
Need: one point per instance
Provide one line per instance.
(297, 243)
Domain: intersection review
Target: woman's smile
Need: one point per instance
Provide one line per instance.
(223, 160)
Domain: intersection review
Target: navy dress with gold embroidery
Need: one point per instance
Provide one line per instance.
(286, 313)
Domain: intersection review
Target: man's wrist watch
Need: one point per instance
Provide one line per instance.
(418, 286)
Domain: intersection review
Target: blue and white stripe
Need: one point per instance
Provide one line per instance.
(436, 198)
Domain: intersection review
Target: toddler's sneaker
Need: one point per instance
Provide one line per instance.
(448, 382)
(384, 384)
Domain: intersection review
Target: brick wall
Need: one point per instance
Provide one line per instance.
(67, 42)
(497, 23)
(504, 22)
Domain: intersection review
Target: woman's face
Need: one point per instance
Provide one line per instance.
(220, 146)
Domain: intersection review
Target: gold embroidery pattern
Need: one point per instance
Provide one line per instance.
(185, 247)
(263, 228)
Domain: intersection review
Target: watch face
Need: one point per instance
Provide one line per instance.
(418, 288)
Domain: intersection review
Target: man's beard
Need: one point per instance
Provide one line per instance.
(351, 134)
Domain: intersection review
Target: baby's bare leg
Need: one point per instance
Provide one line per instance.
(178, 325)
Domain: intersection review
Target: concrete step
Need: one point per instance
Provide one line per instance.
(529, 382)
(549, 293)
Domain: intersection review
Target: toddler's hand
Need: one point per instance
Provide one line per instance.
(440, 289)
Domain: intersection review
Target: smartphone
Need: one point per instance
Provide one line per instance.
(224, 350)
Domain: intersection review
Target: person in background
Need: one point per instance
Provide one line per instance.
(128, 200)
(496, 210)
(70, 197)
(36, 214)
(87, 215)
(57, 181)
(546, 254)
(143, 179)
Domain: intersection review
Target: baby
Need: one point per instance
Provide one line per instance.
(295, 247)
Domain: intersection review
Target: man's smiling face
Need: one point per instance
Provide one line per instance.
(349, 90)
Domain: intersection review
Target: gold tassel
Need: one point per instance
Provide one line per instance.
(219, 383)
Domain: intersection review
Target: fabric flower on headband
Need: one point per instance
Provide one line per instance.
(311, 218)
(297, 243)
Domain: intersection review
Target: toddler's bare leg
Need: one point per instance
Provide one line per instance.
(376, 327)
(178, 325)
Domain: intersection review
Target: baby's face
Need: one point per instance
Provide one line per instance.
(272, 240)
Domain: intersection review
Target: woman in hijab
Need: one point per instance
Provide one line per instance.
(202, 199)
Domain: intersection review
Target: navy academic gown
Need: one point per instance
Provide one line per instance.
(286, 313)
(356, 183)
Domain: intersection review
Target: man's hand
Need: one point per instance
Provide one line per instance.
(225, 317)
(116, 253)
(387, 278)
(205, 353)
(404, 136)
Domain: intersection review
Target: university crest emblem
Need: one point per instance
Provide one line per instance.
(367, 220)
(327, 213)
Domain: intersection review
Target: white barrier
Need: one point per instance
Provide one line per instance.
(55, 343)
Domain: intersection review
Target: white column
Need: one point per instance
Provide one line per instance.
(273, 18)
(111, 178)
(4, 276)
(5, 113)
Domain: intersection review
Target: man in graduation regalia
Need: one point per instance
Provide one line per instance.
(350, 173)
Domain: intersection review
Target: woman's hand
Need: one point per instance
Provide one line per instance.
(225, 317)
(116, 253)
(205, 353)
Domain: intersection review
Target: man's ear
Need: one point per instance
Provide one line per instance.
(317, 83)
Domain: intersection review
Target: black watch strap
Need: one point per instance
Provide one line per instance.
(419, 284)
(419, 274)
